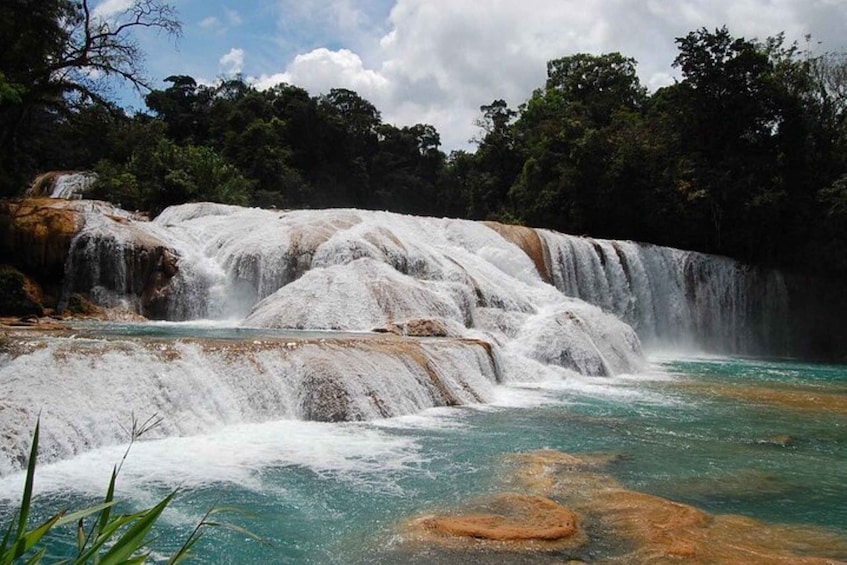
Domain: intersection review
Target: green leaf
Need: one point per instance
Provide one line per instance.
(135, 560)
(110, 496)
(106, 534)
(133, 539)
(35, 559)
(26, 501)
(26, 542)
(75, 516)
(184, 551)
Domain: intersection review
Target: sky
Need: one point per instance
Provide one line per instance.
(438, 61)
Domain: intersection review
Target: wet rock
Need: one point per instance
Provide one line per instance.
(62, 184)
(515, 520)
(419, 328)
(651, 529)
(529, 242)
(35, 235)
(42, 237)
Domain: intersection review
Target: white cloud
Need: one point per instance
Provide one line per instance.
(233, 17)
(210, 22)
(321, 70)
(233, 61)
(109, 8)
(437, 61)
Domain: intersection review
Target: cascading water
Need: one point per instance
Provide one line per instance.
(309, 270)
(672, 297)
(485, 314)
(69, 185)
(86, 389)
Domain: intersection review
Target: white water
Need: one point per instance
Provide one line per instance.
(674, 298)
(87, 390)
(67, 185)
(350, 270)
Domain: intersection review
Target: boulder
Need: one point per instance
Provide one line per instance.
(420, 328)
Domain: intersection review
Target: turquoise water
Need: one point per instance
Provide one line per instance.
(693, 430)
(211, 330)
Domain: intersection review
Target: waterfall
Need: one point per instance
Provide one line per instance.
(672, 297)
(62, 184)
(86, 389)
(265, 271)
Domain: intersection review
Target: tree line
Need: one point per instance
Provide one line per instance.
(744, 155)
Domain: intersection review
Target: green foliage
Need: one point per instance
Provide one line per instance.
(161, 173)
(110, 539)
(741, 156)
(55, 62)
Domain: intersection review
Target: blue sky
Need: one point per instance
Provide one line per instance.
(437, 61)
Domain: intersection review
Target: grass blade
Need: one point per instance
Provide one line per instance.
(113, 526)
(75, 516)
(110, 496)
(36, 559)
(26, 501)
(26, 542)
(133, 539)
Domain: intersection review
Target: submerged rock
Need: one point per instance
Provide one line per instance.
(515, 520)
(644, 528)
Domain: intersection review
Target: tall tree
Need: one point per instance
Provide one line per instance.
(569, 132)
(56, 55)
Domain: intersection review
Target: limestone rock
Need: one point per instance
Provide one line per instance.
(35, 235)
(529, 242)
(419, 328)
(74, 246)
(516, 520)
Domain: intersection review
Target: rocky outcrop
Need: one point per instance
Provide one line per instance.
(530, 243)
(35, 235)
(516, 521)
(653, 529)
(83, 385)
(61, 184)
(69, 246)
(420, 328)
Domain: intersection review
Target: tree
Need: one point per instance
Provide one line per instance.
(737, 117)
(59, 55)
(570, 132)
(181, 106)
(600, 83)
(406, 169)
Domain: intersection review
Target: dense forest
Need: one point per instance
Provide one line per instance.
(744, 155)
